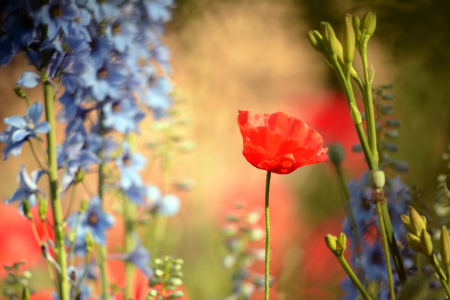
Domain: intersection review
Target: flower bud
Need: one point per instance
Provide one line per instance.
(89, 241)
(152, 281)
(416, 221)
(43, 206)
(406, 221)
(159, 273)
(356, 115)
(377, 179)
(178, 261)
(329, 38)
(71, 235)
(152, 293)
(444, 247)
(316, 40)
(342, 241)
(175, 281)
(83, 205)
(176, 295)
(348, 41)
(426, 243)
(252, 217)
(27, 209)
(369, 23)
(356, 23)
(19, 92)
(336, 153)
(255, 234)
(80, 176)
(330, 241)
(414, 242)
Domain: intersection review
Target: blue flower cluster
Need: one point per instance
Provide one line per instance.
(114, 67)
(367, 255)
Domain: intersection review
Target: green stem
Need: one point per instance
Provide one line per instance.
(129, 244)
(72, 197)
(35, 156)
(41, 150)
(61, 255)
(101, 179)
(386, 251)
(266, 208)
(83, 277)
(437, 268)
(370, 117)
(353, 277)
(158, 234)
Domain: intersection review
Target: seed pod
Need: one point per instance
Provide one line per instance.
(414, 242)
(348, 40)
(377, 179)
(426, 243)
(336, 153)
(330, 241)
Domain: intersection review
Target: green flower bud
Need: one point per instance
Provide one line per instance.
(356, 23)
(348, 40)
(176, 267)
(230, 230)
(255, 234)
(152, 281)
(71, 236)
(342, 242)
(426, 243)
(186, 146)
(369, 23)
(152, 293)
(89, 241)
(84, 205)
(80, 176)
(158, 261)
(179, 261)
(336, 153)
(416, 221)
(414, 242)
(176, 295)
(377, 179)
(330, 241)
(175, 281)
(228, 261)
(329, 38)
(356, 115)
(27, 275)
(316, 40)
(27, 209)
(444, 247)
(406, 221)
(159, 273)
(19, 92)
(43, 206)
(253, 217)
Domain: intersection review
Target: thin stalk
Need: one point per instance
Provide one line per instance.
(101, 181)
(35, 156)
(437, 268)
(83, 277)
(266, 209)
(58, 218)
(370, 117)
(72, 243)
(38, 142)
(386, 251)
(129, 244)
(72, 197)
(36, 235)
(353, 277)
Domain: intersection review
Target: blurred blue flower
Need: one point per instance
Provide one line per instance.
(129, 165)
(28, 79)
(136, 194)
(20, 25)
(94, 220)
(107, 80)
(57, 14)
(163, 205)
(21, 129)
(140, 257)
(373, 261)
(157, 96)
(122, 115)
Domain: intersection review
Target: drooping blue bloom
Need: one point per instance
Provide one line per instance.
(129, 165)
(72, 156)
(140, 257)
(28, 188)
(122, 115)
(136, 194)
(94, 220)
(21, 129)
(106, 80)
(28, 79)
(157, 96)
(57, 14)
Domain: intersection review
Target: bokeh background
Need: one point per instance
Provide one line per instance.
(254, 55)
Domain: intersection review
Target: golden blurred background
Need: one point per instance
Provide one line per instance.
(254, 55)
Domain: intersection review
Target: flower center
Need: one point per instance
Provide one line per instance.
(102, 73)
(116, 107)
(73, 276)
(365, 204)
(55, 11)
(30, 125)
(93, 219)
(27, 22)
(126, 160)
(116, 29)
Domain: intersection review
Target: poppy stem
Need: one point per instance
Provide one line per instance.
(266, 273)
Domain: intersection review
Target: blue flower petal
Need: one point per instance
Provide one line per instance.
(34, 112)
(28, 80)
(42, 127)
(16, 121)
(20, 135)
(19, 194)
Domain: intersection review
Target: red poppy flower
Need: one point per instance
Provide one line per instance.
(279, 143)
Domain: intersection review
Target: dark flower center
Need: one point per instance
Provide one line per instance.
(365, 203)
(116, 107)
(73, 276)
(93, 44)
(126, 160)
(27, 22)
(116, 29)
(102, 73)
(55, 11)
(376, 258)
(93, 219)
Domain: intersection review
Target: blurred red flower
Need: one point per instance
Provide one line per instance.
(279, 143)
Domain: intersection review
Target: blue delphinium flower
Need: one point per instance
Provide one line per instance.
(129, 165)
(136, 194)
(94, 220)
(106, 79)
(28, 187)
(57, 14)
(28, 79)
(21, 129)
(122, 115)
(72, 156)
(163, 205)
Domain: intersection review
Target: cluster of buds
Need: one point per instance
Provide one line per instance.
(167, 279)
(17, 286)
(337, 245)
